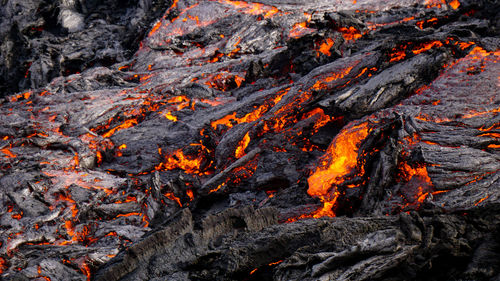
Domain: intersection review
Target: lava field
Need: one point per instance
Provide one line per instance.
(234, 140)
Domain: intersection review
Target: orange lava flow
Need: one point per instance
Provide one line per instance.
(253, 8)
(178, 160)
(418, 172)
(299, 29)
(171, 117)
(217, 188)
(155, 28)
(340, 159)
(320, 84)
(231, 119)
(242, 145)
(127, 124)
(8, 153)
(397, 55)
(174, 198)
(454, 4)
(427, 46)
(325, 47)
(323, 119)
(350, 33)
(481, 200)
(430, 22)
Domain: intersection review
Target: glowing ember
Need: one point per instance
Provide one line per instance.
(253, 8)
(190, 194)
(419, 172)
(231, 119)
(217, 188)
(8, 153)
(481, 200)
(300, 29)
(350, 33)
(127, 124)
(326, 46)
(154, 29)
(323, 119)
(242, 145)
(170, 117)
(424, 23)
(427, 46)
(3, 265)
(177, 160)
(340, 159)
(171, 196)
(454, 4)
(321, 84)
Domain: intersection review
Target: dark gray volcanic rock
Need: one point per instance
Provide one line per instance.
(271, 140)
(43, 39)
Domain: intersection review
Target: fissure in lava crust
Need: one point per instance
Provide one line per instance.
(270, 140)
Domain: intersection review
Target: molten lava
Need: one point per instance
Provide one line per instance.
(242, 145)
(340, 160)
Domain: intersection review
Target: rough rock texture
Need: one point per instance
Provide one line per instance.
(278, 140)
(42, 39)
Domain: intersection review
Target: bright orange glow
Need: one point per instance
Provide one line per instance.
(127, 124)
(326, 46)
(17, 216)
(98, 155)
(429, 22)
(128, 199)
(7, 152)
(323, 119)
(299, 29)
(350, 33)
(76, 160)
(178, 160)
(171, 196)
(397, 56)
(217, 188)
(190, 194)
(320, 84)
(238, 80)
(491, 135)
(85, 270)
(253, 8)
(171, 117)
(479, 113)
(154, 29)
(129, 215)
(228, 120)
(275, 263)
(481, 200)
(465, 45)
(427, 46)
(340, 159)
(123, 146)
(454, 4)
(242, 145)
(70, 202)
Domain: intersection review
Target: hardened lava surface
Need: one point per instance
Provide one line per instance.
(270, 140)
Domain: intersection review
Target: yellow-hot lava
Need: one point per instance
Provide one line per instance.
(340, 159)
(242, 145)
